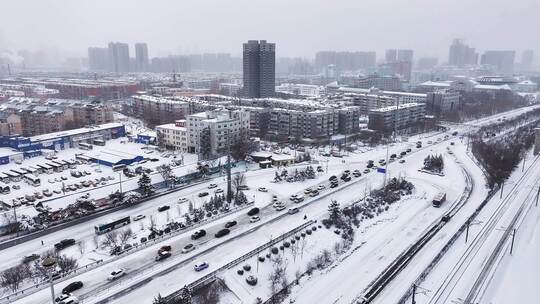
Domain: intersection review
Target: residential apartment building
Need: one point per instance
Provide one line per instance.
(141, 57)
(259, 69)
(173, 136)
(442, 101)
(119, 57)
(392, 118)
(386, 83)
(10, 124)
(54, 115)
(159, 110)
(212, 133)
(293, 124)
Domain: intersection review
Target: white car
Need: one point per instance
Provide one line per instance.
(211, 186)
(138, 217)
(218, 191)
(307, 191)
(262, 189)
(280, 207)
(321, 187)
(116, 274)
(293, 197)
(254, 219)
(70, 300)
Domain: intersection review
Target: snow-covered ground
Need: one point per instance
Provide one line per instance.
(96, 286)
(452, 278)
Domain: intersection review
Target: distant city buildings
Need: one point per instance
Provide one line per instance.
(98, 59)
(345, 61)
(119, 57)
(259, 64)
(141, 57)
(426, 63)
(527, 59)
(400, 61)
(461, 54)
(502, 60)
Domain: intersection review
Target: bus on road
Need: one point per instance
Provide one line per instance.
(439, 199)
(112, 224)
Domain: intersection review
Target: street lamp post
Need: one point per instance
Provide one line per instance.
(49, 263)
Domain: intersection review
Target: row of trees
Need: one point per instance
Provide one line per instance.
(434, 163)
(12, 278)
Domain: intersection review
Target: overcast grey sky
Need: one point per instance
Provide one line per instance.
(299, 27)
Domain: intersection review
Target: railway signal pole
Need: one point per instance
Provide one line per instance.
(512, 245)
(413, 294)
(467, 232)
(537, 195)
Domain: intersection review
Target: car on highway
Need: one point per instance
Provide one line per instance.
(116, 274)
(163, 208)
(314, 193)
(69, 300)
(198, 234)
(183, 200)
(253, 211)
(139, 217)
(64, 244)
(200, 267)
(401, 161)
(188, 248)
(211, 186)
(254, 219)
(218, 191)
(293, 210)
(279, 207)
(299, 199)
(230, 224)
(307, 191)
(222, 232)
(293, 197)
(321, 187)
(162, 255)
(333, 177)
(71, 287)
(30, 258)
(62, 297)
(262, 189)
(243, 187)
(203, 194)
(408, 150)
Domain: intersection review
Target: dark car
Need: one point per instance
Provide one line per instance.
(72, 287)
(162, 255)
(30, 258)
(198, 234)
(333, 177)
(230, 224)
(64, 244)
(203, 194)
(222, 232)
(163, 208)
(253, 211)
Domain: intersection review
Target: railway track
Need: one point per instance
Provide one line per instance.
(443, 292)
(392, 270)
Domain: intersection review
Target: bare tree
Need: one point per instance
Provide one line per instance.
(125, 235)
(166, 172)
(297, 276)
(168, 216)
(238, 180)
(141, 224)
(12, 277)
(278, 277)
(111, 239)
(294, 250)
(303, 243)
(66, 264)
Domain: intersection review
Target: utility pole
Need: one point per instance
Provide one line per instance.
(413, 294)
(513, 237)
(386, 166)
(467, 232)
(15, 217)
(229, 188)
(523, 169)
(502, 189)
(120, 177)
